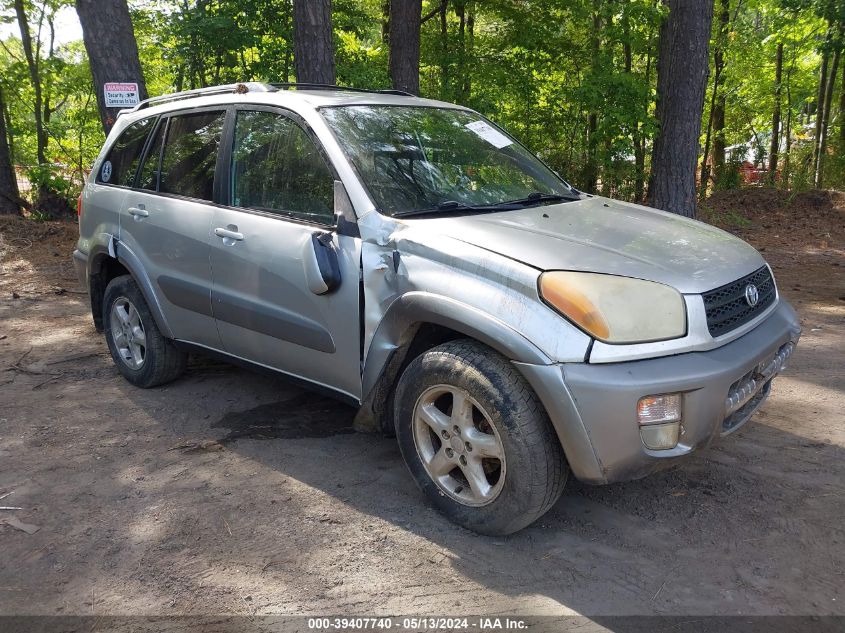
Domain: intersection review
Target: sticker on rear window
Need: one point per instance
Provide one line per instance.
(105, 173)
(489, 134)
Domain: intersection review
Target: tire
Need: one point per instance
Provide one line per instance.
(506, 418)
(127, 320)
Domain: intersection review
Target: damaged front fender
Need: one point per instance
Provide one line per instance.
(414, 276)
(415, 307)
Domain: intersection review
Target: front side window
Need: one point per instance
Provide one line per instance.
(190, 154)
(121, 162)
(415, 158)
(276, 167)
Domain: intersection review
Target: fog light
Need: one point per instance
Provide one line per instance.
(660, 437)
(660, 421)
(657, 409)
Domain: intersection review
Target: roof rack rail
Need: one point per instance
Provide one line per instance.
(242, 87)
(318, 86)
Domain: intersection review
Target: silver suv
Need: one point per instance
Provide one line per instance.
(412, 258)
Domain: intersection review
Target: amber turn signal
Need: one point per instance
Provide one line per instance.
(566, 298)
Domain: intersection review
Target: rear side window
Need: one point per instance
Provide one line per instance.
(190, 154)
(121, 162)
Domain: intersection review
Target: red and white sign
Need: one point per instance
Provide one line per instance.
(121, 95)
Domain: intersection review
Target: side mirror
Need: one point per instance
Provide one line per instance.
(322, 269)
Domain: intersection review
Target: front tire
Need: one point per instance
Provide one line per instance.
(139, 350)
(476, 438)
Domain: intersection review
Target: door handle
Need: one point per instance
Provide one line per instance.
(138, 212)
(228, 234)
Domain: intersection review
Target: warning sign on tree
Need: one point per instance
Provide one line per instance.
(121, 95)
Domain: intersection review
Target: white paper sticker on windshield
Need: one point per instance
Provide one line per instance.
(489, 134)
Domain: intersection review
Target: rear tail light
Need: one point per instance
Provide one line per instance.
(79, 206)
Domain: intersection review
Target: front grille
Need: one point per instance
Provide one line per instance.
(727, 308)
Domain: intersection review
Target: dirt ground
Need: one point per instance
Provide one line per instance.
(230, 492)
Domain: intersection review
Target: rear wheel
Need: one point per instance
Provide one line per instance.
(141, 353)
(477, 439)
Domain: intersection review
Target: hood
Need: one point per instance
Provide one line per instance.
(607, 236)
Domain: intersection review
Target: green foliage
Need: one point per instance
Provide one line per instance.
(730, 176)
(70, 109)
(47, 178)
(572, 79)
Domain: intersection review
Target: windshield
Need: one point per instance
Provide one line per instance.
(417, 159)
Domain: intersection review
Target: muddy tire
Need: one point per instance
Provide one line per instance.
(476, 438)
(139, 350)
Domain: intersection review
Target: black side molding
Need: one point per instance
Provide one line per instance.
(272, 320)
(186, 294)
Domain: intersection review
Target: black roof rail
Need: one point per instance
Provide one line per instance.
(318, 86)
(253, 86)
(241, 87)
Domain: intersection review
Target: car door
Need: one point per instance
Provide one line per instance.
(271, 305)
(114, 178)
(166, 220)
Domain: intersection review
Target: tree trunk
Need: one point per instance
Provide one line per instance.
(721, 99)
(591, 170)
(7, 121)
(773, 149)
(828, 104)
(682, 69)
(112, 50)
(385, 21)
(313, 41)
(468, 51)
(640, 143)
(817, 137)
(787, 149)
(628, 57)
(33, 64)
(842, 112)
(445, 78)
(460, 11)
(405, 18)
(705, 165)
(9, 195)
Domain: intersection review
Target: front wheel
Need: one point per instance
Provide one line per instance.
(477, 439)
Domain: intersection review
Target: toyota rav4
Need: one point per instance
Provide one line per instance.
(412, 258)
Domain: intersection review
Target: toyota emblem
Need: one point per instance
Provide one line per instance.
(752, 296)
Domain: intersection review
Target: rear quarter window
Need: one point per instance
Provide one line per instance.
(121, 163)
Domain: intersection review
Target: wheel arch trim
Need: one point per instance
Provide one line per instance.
(124, 255)
(411, 309)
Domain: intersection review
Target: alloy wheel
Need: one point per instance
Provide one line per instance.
(458, 445)
(128, 334)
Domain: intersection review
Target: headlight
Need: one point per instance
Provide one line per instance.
(616, 309)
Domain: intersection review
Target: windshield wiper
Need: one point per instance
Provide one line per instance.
(538, 197)
(448, 206)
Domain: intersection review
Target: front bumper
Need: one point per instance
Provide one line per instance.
(593, 407)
